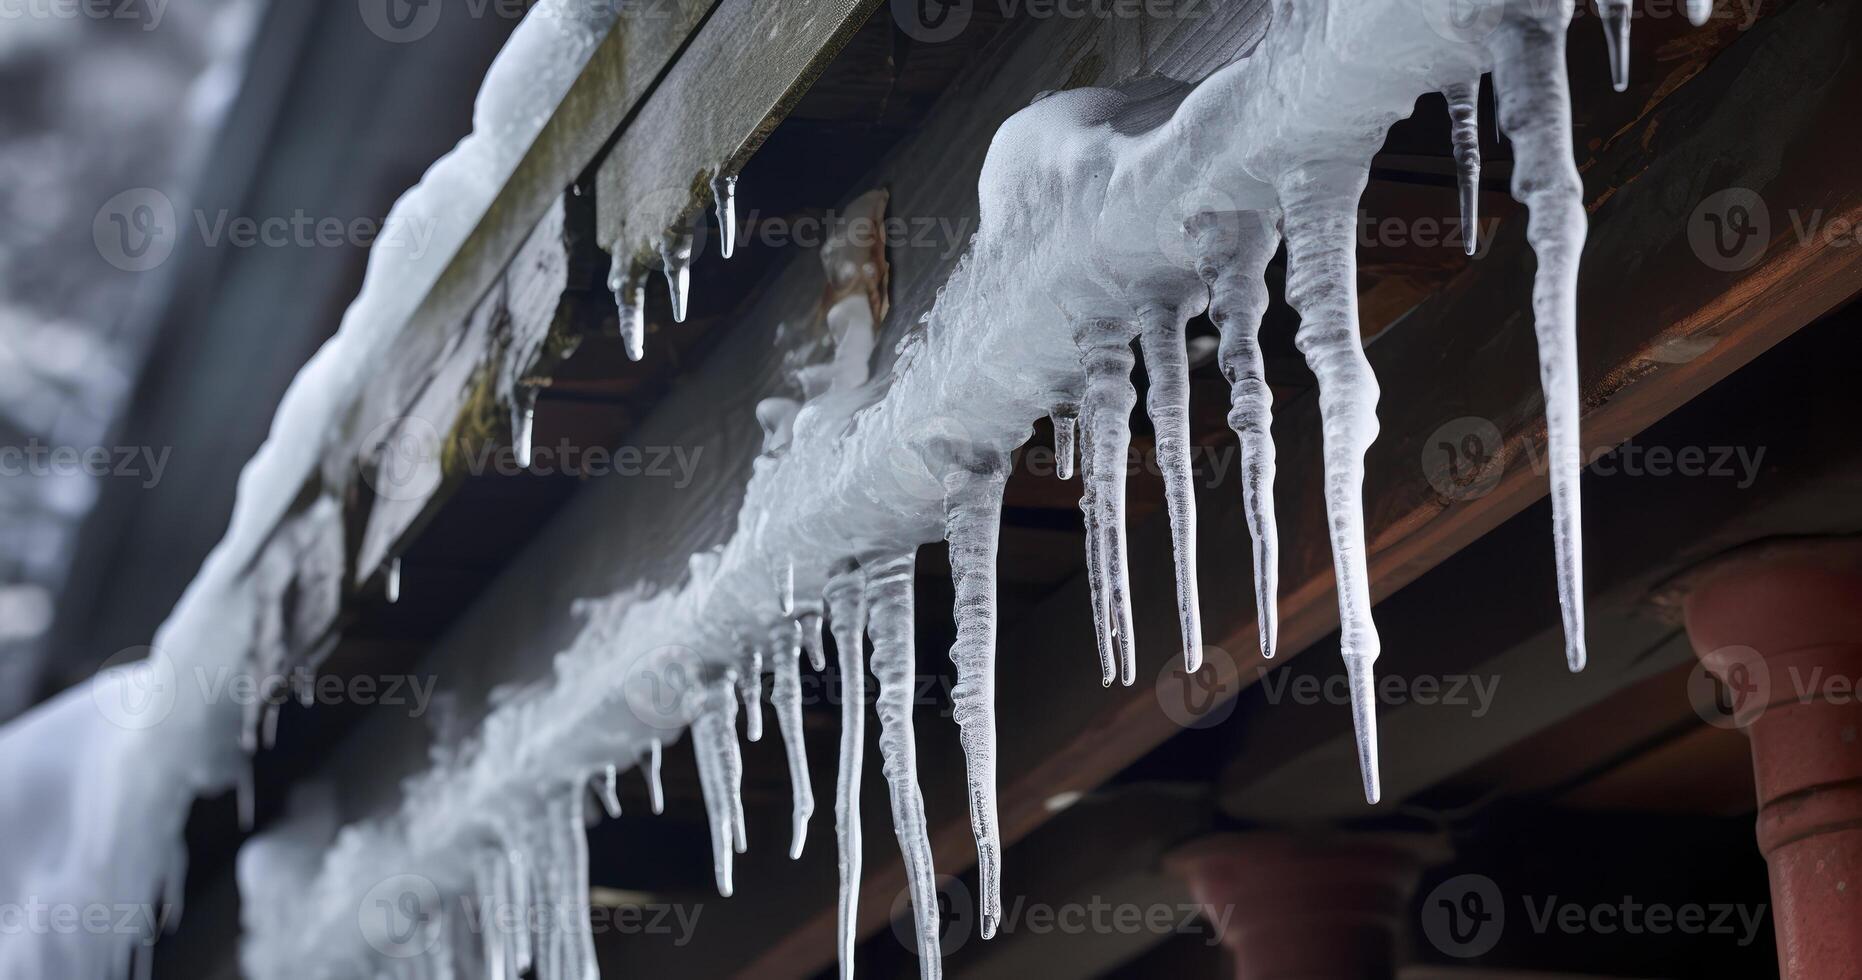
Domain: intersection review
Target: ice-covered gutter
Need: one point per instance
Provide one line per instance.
(1038, 320)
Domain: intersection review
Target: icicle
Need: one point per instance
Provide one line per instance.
(1319, 204)
(489, 884)
(629, 286)
(1066, 419)
(846, 599)
(656, 790)
(523, 420)
(1233, 261)
(391, 589)
(785, 588)
(610, 791)
(1095, 563)
(973, 525)
(523, 950)
(1699, 11)
(1615, 17)
(174, 889)
(713, 710)
(1536, 105)
(1167, 364)
(811, 639)
(750, 689)
(247, 800)
(1105, 350)
(676, 254)
(578, 937)
(1464, 117)
(889, 625)
(724, 190)
(268, 727)
(786, 694)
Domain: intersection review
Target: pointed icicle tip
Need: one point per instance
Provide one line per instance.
(629, 286)
(523, 423)
(724, 190)
(1464, 117)
(676, 255)
(1615, 18)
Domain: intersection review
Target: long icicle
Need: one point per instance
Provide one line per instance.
(809, 619)
(1464, 119)
(1615, 17)
(1535, 104)
(890, 626)
(1095, 560)
(1319, 204)
(1105, 351)
(578, 934)
(973, 525)
(786, 694)
(713, 709)
(1234, 251)
(656, 790)
(846, 599)
(750, 689)
(1167, 365)
(1066, 420)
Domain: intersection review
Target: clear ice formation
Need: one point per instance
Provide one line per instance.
(1038, 319)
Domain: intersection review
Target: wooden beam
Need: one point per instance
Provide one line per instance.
(1659, 326)
(743, 72)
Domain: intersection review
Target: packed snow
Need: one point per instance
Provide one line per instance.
(1039, 320)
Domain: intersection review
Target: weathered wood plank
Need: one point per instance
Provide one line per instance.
(534, 313)
(728, 91)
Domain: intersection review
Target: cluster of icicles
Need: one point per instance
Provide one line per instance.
(1040, 319)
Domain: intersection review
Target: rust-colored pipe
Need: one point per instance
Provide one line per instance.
(1781, 628)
